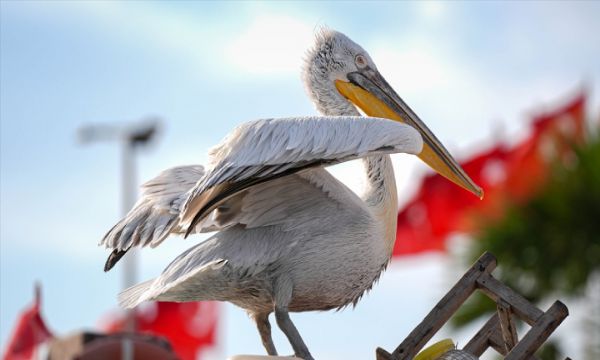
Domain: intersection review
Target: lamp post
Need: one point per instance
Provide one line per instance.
(130, 137)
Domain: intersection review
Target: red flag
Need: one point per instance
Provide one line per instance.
(552, 138)
(506, 175)
(29, 332)
(568, 122)
(189, 327)
(439, 207)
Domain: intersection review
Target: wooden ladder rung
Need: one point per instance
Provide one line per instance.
(497, 290)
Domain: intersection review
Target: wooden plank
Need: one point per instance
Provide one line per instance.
(540, 331)
(497, 290)
(497, 343)
(481, 341)
(488, 336)
(444, 309)
(507, 324)
(381, 354)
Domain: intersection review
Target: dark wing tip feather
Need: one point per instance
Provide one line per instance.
(193, 224)
(210, 198)
(113, 258)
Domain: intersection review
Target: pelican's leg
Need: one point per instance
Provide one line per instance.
(264, 329)
(285, 324)
(283, 287)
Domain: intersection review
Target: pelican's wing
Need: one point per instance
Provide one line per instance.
(274, 217)
(262, 150)
(156, 214)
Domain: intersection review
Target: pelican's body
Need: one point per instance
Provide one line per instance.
(291, 236)
(303, 222)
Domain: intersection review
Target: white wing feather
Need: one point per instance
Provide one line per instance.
(156, 214)
(261, 150)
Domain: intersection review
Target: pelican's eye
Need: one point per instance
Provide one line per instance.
(360, 61)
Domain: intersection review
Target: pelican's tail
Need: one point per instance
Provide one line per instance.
(133, 296)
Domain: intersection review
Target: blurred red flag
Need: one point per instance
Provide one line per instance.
(552, 139)
(189, 327)
(440, 208)
(30, 332)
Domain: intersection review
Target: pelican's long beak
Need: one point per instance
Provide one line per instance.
(368, 90)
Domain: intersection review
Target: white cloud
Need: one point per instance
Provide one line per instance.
(432, 10)
(415, 68)
(272, 44)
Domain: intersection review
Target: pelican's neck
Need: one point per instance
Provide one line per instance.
(381, 184)
(381, 195)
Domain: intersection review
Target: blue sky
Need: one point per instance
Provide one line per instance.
(474, 71)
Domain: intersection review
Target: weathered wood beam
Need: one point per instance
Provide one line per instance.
(507, 324)
(481, 341)
(499, 332)
(539, 332)
(444, 309)
(381, 354)
(497, 290)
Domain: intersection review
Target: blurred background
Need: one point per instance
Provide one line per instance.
(510, 87)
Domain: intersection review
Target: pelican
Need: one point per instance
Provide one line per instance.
(290, 237)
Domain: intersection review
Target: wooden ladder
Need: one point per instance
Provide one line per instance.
(499, 332)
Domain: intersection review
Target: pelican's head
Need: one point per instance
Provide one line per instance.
(331, 59)
(340, 77)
